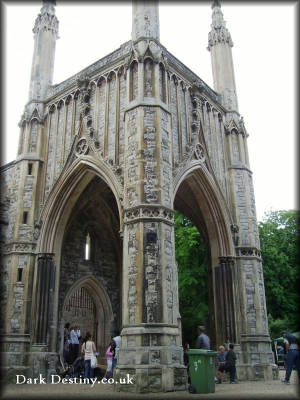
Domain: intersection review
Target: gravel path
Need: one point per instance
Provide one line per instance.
(244, 390)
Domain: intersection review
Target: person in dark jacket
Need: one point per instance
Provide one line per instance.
(292, 350)
(230, 360)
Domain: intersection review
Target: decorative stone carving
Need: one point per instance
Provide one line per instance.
(15, 322)
(155, 357)
(132, 272)
(37, 227)
(152, 312)
(235, 229)
(147, 212)
(19, 247)
(199, 152)
(219, 33)
(82, 147)
(151, 180)
(148, 78)
(248, 252)
(46, 20)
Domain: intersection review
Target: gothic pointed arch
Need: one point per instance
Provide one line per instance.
(88, 294)
(209, 201)
(64, 195)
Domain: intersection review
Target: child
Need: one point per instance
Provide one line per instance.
(221, 358)
(230, 363)
(109, 355)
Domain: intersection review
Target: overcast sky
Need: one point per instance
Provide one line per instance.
(264, 59)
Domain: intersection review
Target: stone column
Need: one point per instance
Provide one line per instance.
(151, 348)
(225, 301)
(45, 284)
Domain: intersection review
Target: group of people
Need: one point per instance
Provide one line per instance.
(225, 360)
(72, 342)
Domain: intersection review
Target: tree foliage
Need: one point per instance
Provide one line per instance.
(192, 277)
(279, 238)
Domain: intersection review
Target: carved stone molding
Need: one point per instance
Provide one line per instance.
(18, 247)
(226, 260)
(244, 251)
(149, 213)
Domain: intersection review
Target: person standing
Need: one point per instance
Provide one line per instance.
(109, 355)
(221, 359)
(88, 349)
(67, 342)
(74, 336)
(230, 360)
(117, 340)
(292, 350)
(203, 341)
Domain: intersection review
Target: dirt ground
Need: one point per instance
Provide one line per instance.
(244, 390)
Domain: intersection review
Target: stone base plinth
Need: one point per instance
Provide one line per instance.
(150, 378)
(152, 356)
(30, 364)
(257, 372)
(9, 374)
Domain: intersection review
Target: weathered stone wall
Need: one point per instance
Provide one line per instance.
(186, 120)
(10, 178)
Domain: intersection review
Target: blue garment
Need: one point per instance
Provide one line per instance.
(88, 370)
(291, 360)
(203, 342)
(221, 357)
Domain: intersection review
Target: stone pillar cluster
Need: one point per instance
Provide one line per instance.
(151, 348)
(250, 318)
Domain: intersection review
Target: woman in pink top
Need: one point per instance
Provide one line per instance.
(88, 349)
(109, 355)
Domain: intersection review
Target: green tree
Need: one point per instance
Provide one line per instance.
(279, 238)
(192, 277)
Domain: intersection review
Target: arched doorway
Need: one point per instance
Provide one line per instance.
(89, 291)
(88, 306)
(80, 308)
(199, 199)
(85, 203)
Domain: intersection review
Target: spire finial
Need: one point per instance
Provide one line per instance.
(219, 33)
(45, 34)
(216, 3)
(219, 44)
(145, 19)
(47, 20)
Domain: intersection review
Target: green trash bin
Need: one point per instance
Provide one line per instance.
(202, 368)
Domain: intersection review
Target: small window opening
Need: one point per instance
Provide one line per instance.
(87, 253)
(30, 169)
(20, 273)
(25, 216)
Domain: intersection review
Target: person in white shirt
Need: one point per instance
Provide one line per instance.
(74, 336)
(88, 349)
